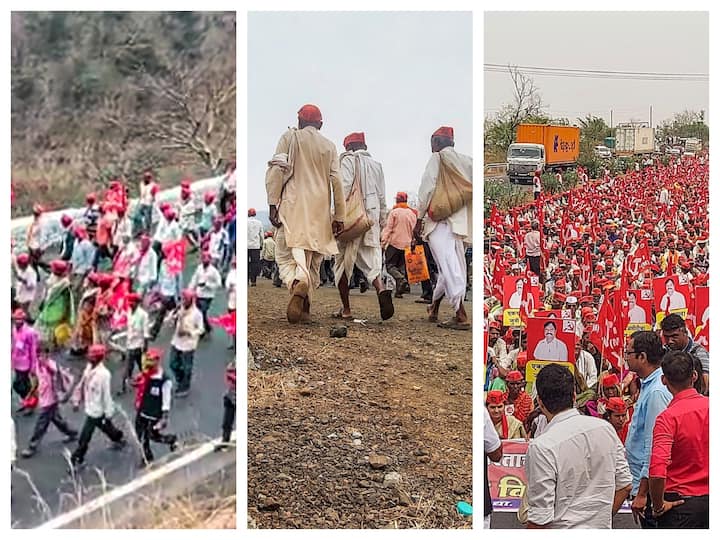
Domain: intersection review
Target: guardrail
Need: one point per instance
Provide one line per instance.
(493, 169)
(52, 230)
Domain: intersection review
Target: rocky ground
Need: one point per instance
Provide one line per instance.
(373, 430)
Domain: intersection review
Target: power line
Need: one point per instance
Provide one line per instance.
(598, 71)
(597, 74)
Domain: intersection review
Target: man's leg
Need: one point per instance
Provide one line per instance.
(78, 456)
(142, 430)
(132, 357)
(41, 426)
(112, 432)
(61, 424)
(177, 367)
(228, 418)
(188, 360)
(21, 384)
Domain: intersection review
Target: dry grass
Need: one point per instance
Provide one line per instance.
(267, 388)
(194, 513)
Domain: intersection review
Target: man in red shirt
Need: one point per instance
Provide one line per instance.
(517, 398)
(679, 464)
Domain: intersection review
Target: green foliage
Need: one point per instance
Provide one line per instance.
(504, 195)
(686, 124)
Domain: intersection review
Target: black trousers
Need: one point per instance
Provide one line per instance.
(133, 358)
(168, 304)
(47, 416)
(429, 285)
(534, 264)
(146, 432)
(181, 364)
(228, 418)
(253, 264)
(203, 304)
(21, 384)
(103, 424)
(395, 264)
(694, 513)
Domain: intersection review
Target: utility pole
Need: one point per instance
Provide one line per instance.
(610, 118)
(650, 115)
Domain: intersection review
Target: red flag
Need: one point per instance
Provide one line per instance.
(586, 272)
(609, 335)
(498, 275)
(175, 256)
(226, 322)
(703, 335)
(119, 304)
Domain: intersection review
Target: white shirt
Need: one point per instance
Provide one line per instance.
(664, 196)
(372, 184)
(216, 242)
(206, 281)
(637, 315)
(555, 350)
(231, 286)
(585, 364)
(515, 301)
(94, 391)
(254, 233)
(147, 267)
(490, 437)
(123, 227)
(187, 214)
(193, 321)
(461, 221)
(573, 470)
(138, 329)
(168, 231)
(676, 301)
(146, 196)
(25, 292)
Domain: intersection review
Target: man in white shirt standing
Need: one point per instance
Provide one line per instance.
(26, 282)
(148, 189)
(94, 391)
(255, 244)
(147, 267)
(138, 335)
(550, 348)
(585, 364)
(205, 281)
(218, 241)
(577, 473)
(188, 329)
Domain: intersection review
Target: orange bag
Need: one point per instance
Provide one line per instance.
(356, 221)
(452, 192)
(416, 265)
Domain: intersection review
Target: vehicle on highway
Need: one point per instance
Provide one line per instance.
(540, 147)
(603, 152)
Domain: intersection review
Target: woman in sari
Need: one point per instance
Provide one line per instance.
(57, 310)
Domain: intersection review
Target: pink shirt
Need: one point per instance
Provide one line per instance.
(24, 348)
(47, 393)
(399, 228)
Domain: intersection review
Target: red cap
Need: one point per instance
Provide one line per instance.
(164, 206)
(495, 397)
(444, 131)
(185, 184)
(496, 325)
(66, 220)
(251, 212)
(401, 196)
(19, 314)
(38, 209)
(560, 297)
(585, 299)
(310, 113)
(358, 137)
(610, 380)
(153, 353)
(58, 266)
(514, 376)
(23, 259)
(169, 213)
(188, 294)
(596, 291)
(134, 298)
(97, 351)
(90, 198)
(616, 405)
(209, 197)
(521, 359)
(587, 313)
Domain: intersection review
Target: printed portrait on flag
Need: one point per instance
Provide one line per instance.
(520, 293)
(671, 296)
(549, 340)
(637, 310)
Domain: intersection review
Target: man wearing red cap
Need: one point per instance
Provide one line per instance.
(518, 402)
(304, 174)
(153, 396)
(68, 239)
(26, 282)
(267, 257)
(189, 327)
(205, 281)
(147, 200)
(34, 239)
(186, 218)
(507, 426)
(138, 335)
(363, 251)
(91, 214)
(255, 244)
(396, 236)
(23, 355)
(83, 257)
(147, 267)
(94, 391)
(447, 237)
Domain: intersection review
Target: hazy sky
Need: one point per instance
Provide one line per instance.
(395, 76)
(670, 42)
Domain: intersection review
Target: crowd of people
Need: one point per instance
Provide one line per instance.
(118, 275)
(330, 224)
(621, 265)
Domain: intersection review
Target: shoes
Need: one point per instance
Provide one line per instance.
(363, 286)
(70, 438)
(28, 452)
(223, 447)
(119, 445)
(398, 294)
(182, 393)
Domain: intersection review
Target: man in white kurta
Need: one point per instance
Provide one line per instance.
(550, 348)
(302, 181)
(364, 251)
(447, 238)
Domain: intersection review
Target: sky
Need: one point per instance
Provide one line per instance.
(669, 42)
(394, 76)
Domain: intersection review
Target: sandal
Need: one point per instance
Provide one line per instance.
(339, 315)
(295, 306)
(387, 310)
(453, 324)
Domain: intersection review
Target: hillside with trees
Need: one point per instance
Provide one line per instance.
(100, 95)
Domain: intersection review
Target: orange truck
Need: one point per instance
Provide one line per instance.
(542, 147)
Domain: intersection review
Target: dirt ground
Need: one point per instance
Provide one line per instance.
(333, 421)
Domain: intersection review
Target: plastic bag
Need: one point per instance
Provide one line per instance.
(416, 265)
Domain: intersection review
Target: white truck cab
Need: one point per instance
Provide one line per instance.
(523, 159)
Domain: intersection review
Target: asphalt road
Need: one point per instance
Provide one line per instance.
(508, 520)
(41, 486)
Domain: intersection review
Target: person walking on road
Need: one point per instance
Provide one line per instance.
(255, 245)
(54, 383)
(205, 281)
(23, 357)
(189, 327)
(397, 235)
(228, 407)
(94, 391)
(138, 335)
(153, 396)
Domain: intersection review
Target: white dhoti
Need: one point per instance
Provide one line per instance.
(367, 258)
(449, 254)
(297, 264)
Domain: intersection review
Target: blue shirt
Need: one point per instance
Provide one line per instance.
(654, 399)
(169, 285)
(82, 256)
